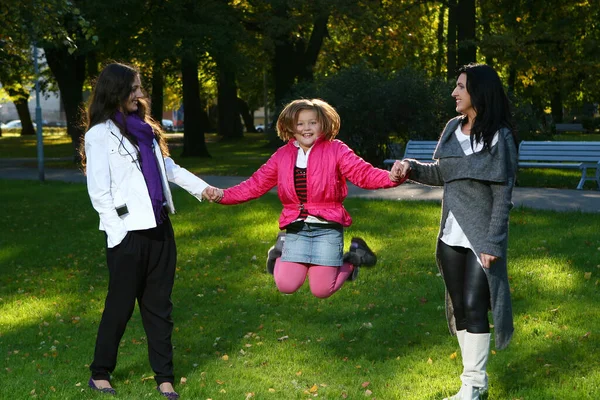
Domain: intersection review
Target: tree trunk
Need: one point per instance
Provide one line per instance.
(439, 59)
(21, 104)
(512, 79)
(467, 48)
(158, 83)
(195, 119)
(294, 59)
(310, 56)
(92, 65)
(451, 38)
(246, 115)
(25, 117)
(556, 103)
(69, 72)
(229, 123)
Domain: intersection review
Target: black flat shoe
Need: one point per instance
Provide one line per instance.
(364, 253)
(93, 386)
(168, 395)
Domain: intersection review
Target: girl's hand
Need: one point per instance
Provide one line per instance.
(212, 194)
(399, 170)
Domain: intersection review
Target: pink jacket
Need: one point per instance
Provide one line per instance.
(329, 165)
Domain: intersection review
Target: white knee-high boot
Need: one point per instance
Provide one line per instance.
(475, 351)
(475, 357)
(460, 335)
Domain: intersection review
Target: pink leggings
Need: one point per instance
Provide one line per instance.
(324, 281)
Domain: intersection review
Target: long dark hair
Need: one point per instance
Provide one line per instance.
(110, 94)
(489, 102)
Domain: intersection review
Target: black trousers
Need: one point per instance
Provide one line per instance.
(467, 286)
(141, 267)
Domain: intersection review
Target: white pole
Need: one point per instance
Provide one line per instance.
(266, 100)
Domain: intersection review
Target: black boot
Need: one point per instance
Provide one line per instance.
(359, 255)
(275, 252)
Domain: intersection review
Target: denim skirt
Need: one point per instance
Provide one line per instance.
(310, 243)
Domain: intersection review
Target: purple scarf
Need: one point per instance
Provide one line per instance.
(145, 138)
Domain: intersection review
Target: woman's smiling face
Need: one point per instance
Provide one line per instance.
(136, 93)
(462, 97)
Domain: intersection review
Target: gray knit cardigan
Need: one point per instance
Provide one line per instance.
(478, 190)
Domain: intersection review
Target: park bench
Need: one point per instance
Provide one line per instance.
(562, 155)
(569, 128)
(420, 150)
(532, 154)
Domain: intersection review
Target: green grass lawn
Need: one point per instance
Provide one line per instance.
(383, 336)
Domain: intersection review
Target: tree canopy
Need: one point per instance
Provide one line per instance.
(230, 56)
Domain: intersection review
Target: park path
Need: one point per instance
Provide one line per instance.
(535, 198)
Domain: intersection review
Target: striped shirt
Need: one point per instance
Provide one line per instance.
(300, 182)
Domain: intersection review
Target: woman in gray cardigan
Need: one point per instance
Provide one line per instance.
(476, 163)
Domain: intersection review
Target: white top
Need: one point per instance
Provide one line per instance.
(114, 180)
(302, 159)
(452, 234)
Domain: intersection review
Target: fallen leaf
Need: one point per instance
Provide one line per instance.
(368, 392)
(183, 380)
(429, 361)
(313, 389)
(220, 382)
(281, 339)
(587, 335)
(453, 356)
(587, 275)
(365, 384)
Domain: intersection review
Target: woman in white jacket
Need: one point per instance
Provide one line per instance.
(128, 173)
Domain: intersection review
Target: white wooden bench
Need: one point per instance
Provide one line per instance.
(562, 155)
(420, 150)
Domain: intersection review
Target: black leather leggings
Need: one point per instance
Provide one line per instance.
(468, 287)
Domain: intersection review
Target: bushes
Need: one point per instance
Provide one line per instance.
(377, 109)
(531, 124)
(590, 124)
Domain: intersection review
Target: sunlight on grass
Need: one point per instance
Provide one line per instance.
(20, 312)
(547, 274)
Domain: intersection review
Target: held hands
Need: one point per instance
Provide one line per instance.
(212, 194)
(487, 260)
(399, 170)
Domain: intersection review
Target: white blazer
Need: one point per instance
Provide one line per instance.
(115, 182)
